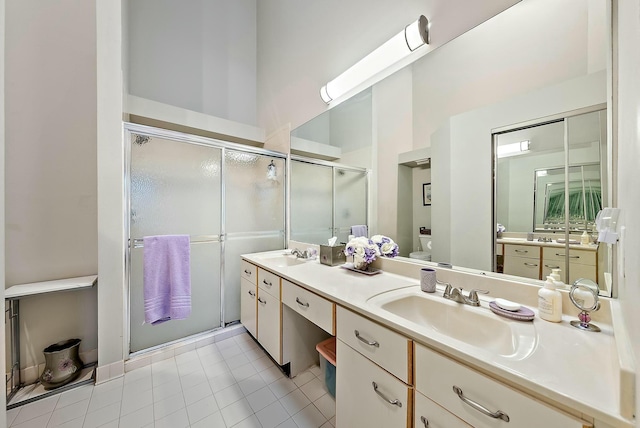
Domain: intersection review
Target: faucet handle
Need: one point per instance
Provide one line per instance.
(447, 289)
(473, 295)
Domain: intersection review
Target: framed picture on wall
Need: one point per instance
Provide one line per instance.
(426, 194)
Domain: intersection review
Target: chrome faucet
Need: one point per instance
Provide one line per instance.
(456, 294)
(300, 254)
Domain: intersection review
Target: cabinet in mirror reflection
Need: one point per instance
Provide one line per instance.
(550, 183)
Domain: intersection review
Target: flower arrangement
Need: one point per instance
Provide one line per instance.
(365, 250)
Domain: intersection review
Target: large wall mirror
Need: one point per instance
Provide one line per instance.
(538, 62)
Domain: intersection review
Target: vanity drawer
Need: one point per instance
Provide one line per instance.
(529, 251)
(389, 349)
(316, 309)
(437, 375)
(248, 271)
(269, 282)
(522, 266)
(429, 415)
(583, 257)
(368, 396)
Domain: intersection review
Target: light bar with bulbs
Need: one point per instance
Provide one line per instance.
(398, 47)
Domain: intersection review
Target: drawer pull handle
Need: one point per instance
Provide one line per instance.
(571, 257)
(264, 302)
(498, 414)
(552, 267)
(251, 293)
(522, 251)
(531, 264)
(248, 272)
(267, 283)
(395, 402)
(424, 421)
(368, 342)
(306, 305)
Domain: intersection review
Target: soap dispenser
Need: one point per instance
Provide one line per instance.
(585, 239)
(557, 279)
(550, 302)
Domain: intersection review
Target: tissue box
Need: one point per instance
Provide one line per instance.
(332, 256)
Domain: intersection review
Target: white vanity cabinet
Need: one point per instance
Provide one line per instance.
(367, 395)
(479, 400)
(269, 314)
(374, 374)
(522, 260)
(582, 263)
(249, 297)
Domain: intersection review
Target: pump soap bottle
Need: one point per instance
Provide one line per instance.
(550, 302)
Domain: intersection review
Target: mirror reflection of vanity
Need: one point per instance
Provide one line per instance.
(434, 122)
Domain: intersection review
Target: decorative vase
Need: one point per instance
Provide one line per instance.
(62, 364)
(359, 263)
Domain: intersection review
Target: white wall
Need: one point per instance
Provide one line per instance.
(3, 408)
(199, 55)
(50, 165)
(628, 159)
(302, 45)
(421, 213)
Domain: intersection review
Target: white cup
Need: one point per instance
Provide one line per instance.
(428, 280)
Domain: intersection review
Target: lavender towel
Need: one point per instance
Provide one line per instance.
(167, 278)
(359, 230)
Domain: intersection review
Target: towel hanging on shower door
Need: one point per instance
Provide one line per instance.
(166, 278)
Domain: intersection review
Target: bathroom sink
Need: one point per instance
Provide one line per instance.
(282, 259)
(475, 326)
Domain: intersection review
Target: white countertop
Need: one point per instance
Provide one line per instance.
(554, 244)
(568, 366)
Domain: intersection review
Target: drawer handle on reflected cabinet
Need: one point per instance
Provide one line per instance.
(248, 272)
(264, 302)
(306, 305)
(531, 264)
(268, 284)
(368, 342)
(571, 257)
(425, 421)
(498, 414)
(552, 267)
(251, 293)
(522, 251)
(395, 402)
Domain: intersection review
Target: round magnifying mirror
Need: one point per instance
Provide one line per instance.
(584, 295)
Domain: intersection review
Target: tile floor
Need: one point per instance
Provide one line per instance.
(231, 383)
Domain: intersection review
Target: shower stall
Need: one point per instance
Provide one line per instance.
(326, 200)
(230, 200)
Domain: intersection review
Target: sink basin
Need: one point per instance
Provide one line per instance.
(475, 326)
(282, 260)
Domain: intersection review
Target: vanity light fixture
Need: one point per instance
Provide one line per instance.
(514, 149)
(398, 47)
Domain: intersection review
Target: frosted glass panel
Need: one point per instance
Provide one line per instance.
(351, 201)
(311, 202)
(254, 215)
(175, 188)
(205, 299)
(254, 200)
(235, 246)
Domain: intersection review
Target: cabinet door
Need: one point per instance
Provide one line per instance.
(359, 403)
(429, 415)
(269, 325)
(248, 308)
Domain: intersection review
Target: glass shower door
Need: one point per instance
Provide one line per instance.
(254, 215)
(175, 189)
(311, 202)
